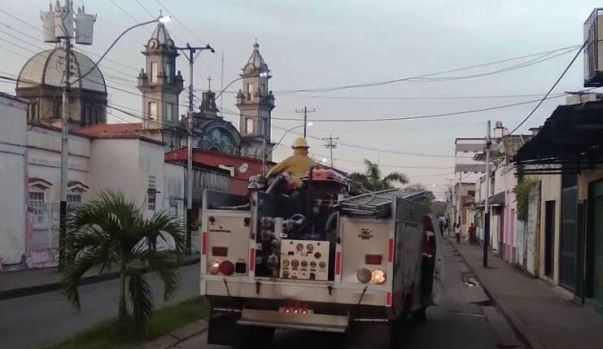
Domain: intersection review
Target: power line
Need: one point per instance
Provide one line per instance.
(145, 9)
(40, 30)
(416, 77)
(428, 116)
(410, 98)
(551, 89)
(124, 11)
(378, 149)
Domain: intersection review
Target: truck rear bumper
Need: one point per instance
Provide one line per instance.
(277, 319)
(374, 295)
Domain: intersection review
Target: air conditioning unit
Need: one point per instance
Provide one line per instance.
(593, 52)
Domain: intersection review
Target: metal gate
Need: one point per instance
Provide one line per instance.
(596, 236)
(568, 233)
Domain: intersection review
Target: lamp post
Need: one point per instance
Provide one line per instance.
(285, 133)
(65, 31)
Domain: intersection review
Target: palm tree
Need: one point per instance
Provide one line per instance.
(371, 180)
(111, 231)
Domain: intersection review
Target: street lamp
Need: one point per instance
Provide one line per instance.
(161, 19)
(285, 133)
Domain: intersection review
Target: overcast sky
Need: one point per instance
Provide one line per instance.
(318, 43)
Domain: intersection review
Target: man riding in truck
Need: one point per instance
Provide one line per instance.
(297, 165)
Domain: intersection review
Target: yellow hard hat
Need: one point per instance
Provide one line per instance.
(300, 142)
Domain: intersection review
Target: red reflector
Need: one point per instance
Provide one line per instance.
(219, 251)
(388, 298)
(374, 259)
(226, 268)
(204, 243)
(251, 259)
(338, 263)
(390, 250)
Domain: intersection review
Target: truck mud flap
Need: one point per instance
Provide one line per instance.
(310, 322)
(224, 330)
(222, 327)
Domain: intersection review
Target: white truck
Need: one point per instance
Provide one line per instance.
(315, 259)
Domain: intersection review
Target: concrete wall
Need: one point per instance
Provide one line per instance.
(44, 163)
(44, 159)
(12, 186)
(550, 190)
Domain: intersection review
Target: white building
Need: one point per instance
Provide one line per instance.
(13, 168)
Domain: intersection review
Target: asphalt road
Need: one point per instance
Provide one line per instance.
(463, 318)
(43, 319)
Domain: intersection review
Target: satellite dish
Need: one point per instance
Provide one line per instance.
(244, 167)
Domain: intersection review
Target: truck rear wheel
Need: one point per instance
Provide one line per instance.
(419, 315)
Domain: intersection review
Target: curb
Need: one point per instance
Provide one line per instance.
(520, 329)
(53, 286)
(176, 337)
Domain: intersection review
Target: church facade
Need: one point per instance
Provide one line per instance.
(160, 85)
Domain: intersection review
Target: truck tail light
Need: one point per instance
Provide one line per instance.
(214, 268)
(240, 267)
(219, 251)
(226, 268)
(298, 310)
(373, 259)
(363, 275)
(378, 276)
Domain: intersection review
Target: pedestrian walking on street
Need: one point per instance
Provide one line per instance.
(472, 236)
(457, 232)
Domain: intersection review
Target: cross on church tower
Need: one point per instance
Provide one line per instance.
(209, 79)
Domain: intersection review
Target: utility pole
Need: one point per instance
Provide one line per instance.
(486, 203)
(62, 24)
(64, 153)
(192, 54)
(222, 80)
(331, 145)
(305, 111)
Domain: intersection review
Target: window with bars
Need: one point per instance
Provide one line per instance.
(36, 205)
(151, 200)
(74, 198)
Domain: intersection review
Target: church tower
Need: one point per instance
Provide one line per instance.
(160, 86)
(255, 102)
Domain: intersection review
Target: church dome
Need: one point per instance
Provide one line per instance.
(47, 67)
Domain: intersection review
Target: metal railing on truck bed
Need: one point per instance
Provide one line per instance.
(379, 204)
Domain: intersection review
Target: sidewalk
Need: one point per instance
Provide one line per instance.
(543, 315)
(27, 282)
(174, 338)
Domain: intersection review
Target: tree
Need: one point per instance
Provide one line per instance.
(111, 231)
(371, 180)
